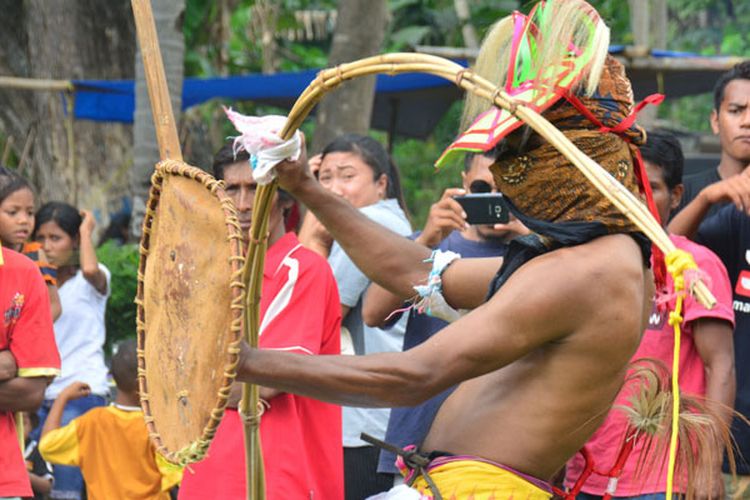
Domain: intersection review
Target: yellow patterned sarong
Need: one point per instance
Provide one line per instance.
(460, 478)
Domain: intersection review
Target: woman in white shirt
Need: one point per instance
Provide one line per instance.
(83, 283)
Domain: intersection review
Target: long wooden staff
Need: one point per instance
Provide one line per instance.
(252, 276)
(156, 81)
(169, 148)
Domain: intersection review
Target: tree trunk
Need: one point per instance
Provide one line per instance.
(64, 40)
(660, 24)
(467, 29)
(640, 23)
(360, 29)
(268, 15)
(168, 17)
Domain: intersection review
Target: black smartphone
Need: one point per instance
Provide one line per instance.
(484, 208)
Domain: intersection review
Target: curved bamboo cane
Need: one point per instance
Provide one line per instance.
(252, 276)
(397, 63)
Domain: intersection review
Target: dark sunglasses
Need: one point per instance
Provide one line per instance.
(480, 186)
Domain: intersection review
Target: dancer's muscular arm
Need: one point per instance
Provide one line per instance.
(521, 317)
(385, 257)
(445, 217)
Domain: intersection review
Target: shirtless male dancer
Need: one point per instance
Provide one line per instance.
(540, 361)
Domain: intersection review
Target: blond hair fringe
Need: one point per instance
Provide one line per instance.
(569, 22)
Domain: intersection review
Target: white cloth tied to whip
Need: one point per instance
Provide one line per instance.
(259, 136)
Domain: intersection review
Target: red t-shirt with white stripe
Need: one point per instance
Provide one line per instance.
(301, 437)
(25, 330)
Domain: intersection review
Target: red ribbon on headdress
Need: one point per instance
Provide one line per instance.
(660, 269)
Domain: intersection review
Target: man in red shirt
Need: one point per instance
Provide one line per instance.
(706, 368)
(301, 437)
(28, 358)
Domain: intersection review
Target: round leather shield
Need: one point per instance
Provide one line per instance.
(189, 309)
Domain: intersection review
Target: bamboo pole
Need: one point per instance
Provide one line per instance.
(12, 82)
(70, 139)
(252, 275)
(156, 81)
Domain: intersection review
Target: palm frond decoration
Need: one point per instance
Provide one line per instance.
(703, 432)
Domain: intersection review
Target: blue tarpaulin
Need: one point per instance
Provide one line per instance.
(409, 104)
(107, 100)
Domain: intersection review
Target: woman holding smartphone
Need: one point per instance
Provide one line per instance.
(66, 238)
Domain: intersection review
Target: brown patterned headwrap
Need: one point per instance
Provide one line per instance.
(550, 195)
(544, 185)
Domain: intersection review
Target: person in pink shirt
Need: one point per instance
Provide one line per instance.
(706, 357)
(300, 312)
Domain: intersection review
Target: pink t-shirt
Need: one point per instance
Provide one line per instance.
(300, 437)
(657, 343)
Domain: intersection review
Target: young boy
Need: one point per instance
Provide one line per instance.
(706, 354)
(110, 444)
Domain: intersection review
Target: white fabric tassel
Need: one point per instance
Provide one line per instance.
(259, 137)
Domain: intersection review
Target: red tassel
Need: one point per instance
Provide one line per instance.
(628, 122)
(659, 264)
(588, 469)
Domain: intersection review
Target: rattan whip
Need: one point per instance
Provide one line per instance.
(397, 63)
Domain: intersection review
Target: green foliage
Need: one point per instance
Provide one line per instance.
(735, 41)
(616, 13)
(434, 22)
(408, 37)
(122, 262)
(243, 49)
(422, 184)
(708, 28)
(243, 52)
(689, 113)
(429, 22)
(298, 57)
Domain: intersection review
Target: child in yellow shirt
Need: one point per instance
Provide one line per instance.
(110, 444)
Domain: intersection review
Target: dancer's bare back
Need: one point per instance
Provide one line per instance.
(590, 302)
(541, 362)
